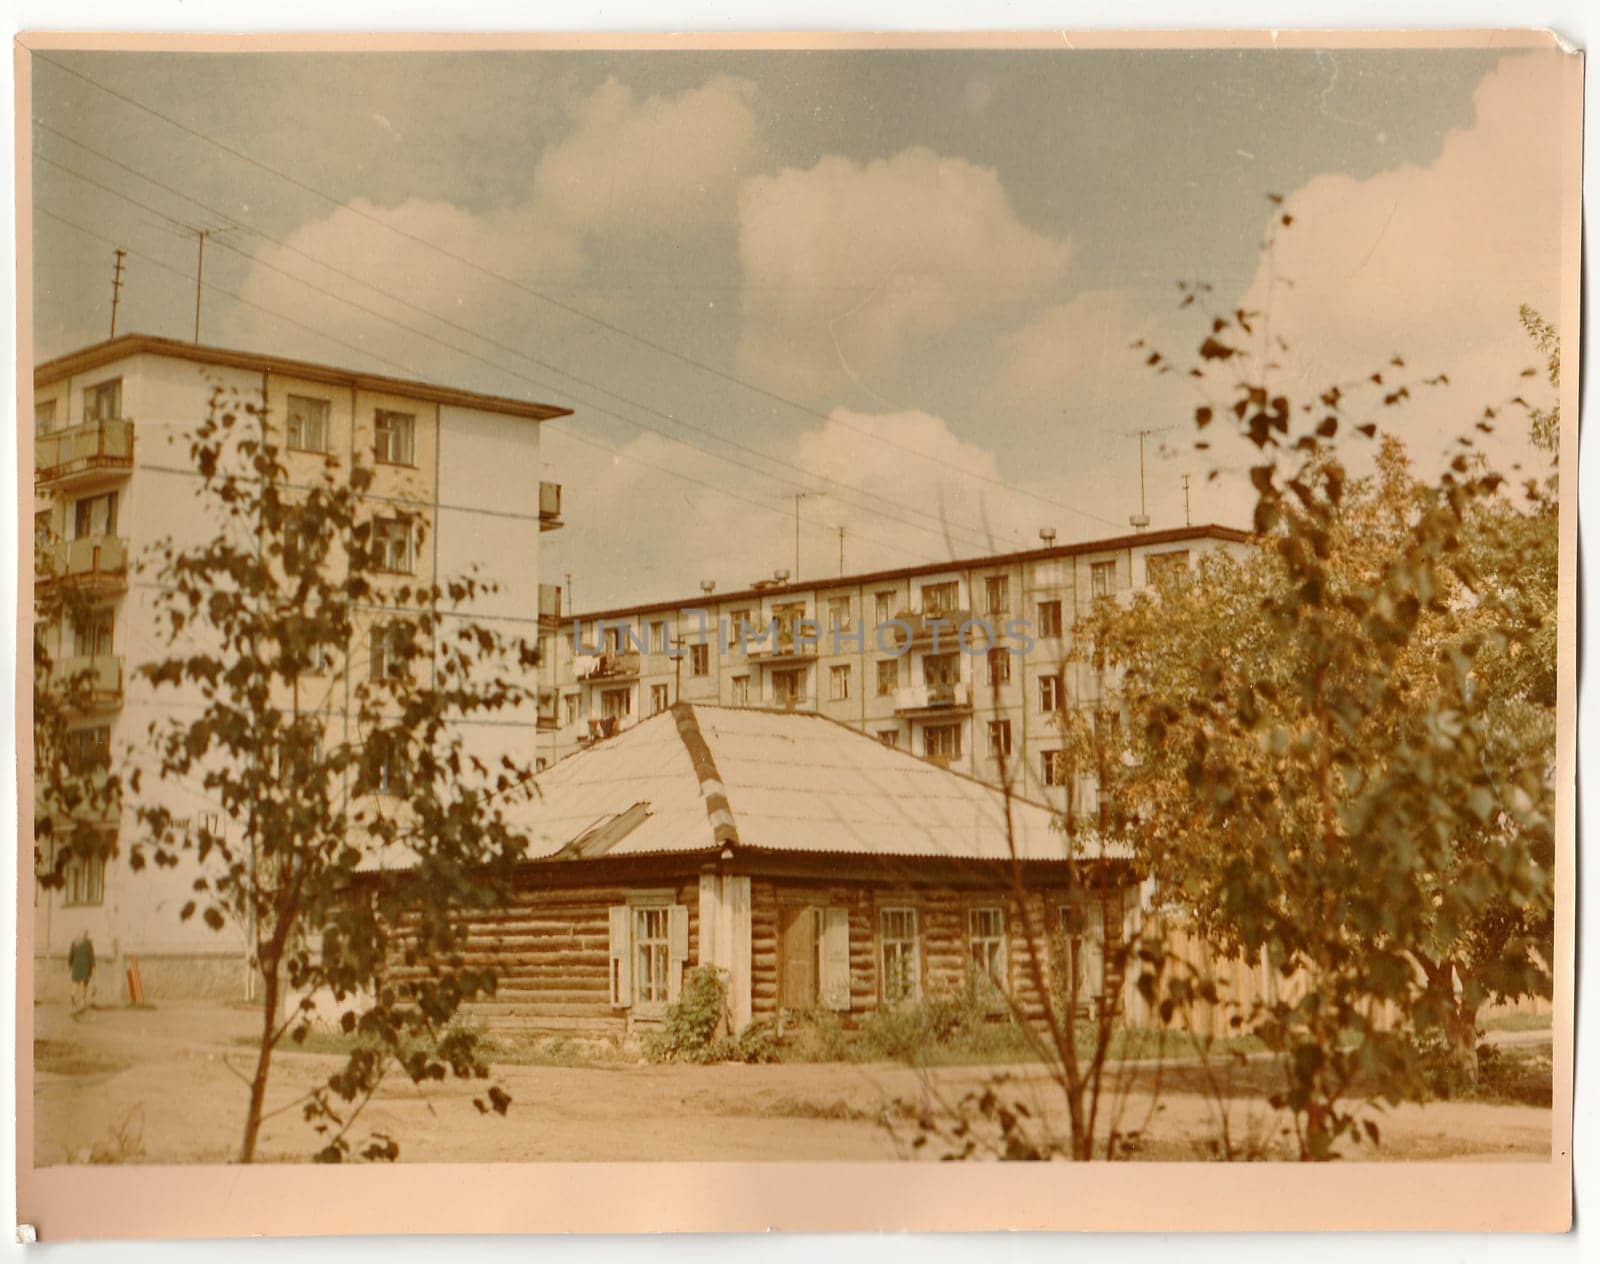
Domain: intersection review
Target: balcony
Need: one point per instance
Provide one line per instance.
(785, 645)
(94, 564)
(84, 454)
(549, 606)
(91, 682)
(946, 624)
(938, 699)
(604, 726)
(607, 666)
(549, 506)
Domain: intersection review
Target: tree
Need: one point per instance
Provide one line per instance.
(331, 696)
(1323, 772)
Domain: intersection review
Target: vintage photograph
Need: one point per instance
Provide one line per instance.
(779, 603)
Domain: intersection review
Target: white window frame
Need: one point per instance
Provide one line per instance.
(955, 741)
(700, 659)
(884, 606)
(741, 691)
(394, 541)
(888, 681)
(986, 947)
(93, 397)
(1102, 579)
(394, 437)
(83, 880)
(839, 683)
(999, 729)
(1050, 693)
(899, 954)
(659, 699)
(1050, 620)
(1055, 769)
(309, 429)
(994, 585)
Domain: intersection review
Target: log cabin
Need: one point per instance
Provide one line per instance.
(814, 866)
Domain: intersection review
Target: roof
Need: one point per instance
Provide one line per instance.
(1144, 539)
(699, 779)
(87, 359)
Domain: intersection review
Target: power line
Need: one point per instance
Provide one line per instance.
(569, 308)
(409, 372)
(943, 527)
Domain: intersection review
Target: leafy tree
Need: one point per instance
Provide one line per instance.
(357, 826)
(1324, 770)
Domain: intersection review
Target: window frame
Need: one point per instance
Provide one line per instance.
(383, 420)
(389, 530)
(1052, 699)
(87, 872)
(93, 394)
(991, 977)
(954, 730)
(1002, 729)
(1102, 579)
(888, 682)
(700, 659)
(839, 682)
(908, 952)
(660, 699)
(1050, 625)
(740, 690)
(291, 428)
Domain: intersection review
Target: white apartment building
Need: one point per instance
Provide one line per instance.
(882, 652)
(112, 476)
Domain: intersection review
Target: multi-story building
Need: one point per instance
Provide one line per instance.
(965, 662)
(113, 477)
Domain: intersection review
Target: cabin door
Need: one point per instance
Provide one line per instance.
(798, 932)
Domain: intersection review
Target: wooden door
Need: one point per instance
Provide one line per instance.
(797, 931)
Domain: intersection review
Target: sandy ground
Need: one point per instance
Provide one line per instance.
(164, 1086)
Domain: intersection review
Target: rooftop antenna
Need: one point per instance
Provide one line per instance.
(1141, 520)
(1186, 521)
(116, 287)
(1048, 536)
(200, 234)
(841, 552)
(798, 497)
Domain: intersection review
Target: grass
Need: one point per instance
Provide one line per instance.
(503, 1050)
(1518, 1022)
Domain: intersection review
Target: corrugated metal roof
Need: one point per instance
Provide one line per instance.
(793, 782)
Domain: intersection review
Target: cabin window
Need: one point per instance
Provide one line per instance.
(814, 956)
(308, 424)
(888, 676)
(899, 960)
(394, 438)
(1049, 619)
(1082, 949)
(649, 943)
(986, 949)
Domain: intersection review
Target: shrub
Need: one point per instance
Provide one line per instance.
(693, 1020)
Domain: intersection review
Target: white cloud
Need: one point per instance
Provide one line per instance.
(845, 263)
(1431, 262)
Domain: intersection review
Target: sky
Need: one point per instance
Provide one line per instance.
(905, 284)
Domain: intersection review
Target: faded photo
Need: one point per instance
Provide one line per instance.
(768, 605)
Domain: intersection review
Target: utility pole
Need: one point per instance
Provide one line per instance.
(199, 277)
(1186, 521)
(841, 552)
(116, 288)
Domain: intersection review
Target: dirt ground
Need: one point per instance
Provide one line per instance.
(164, 1086)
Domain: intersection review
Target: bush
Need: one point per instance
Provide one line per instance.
(694, 1021)
(819, 1035)
(942, 1024)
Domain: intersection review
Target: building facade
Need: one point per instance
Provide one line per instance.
(113, 477)
(962, 662)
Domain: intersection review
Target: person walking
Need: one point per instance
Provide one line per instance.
(80, 964)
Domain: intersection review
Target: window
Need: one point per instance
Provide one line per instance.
(658, 699)
(84, 880)
(103, 402)
(1083, 932)
(569, 704)
(613, 639)
(699, 660)
(94, 515)
(87, 750)
(1054, 767)
(941, 669)
(889, 737)
(788, 618)
(938, 599)
(884, 607)
(390, 650)
(995, 594)
(999, 738)
(838, 613)
(391, 545)
(1162, 567)
(789, 687)
(540, 764)
(888, 676)
(1050, 696)
(44, 416)
(736, 627)
(395, 438)
(1049, 619)
(741, 691)
(942, 741)
(308, 424)
(986, 948)
(1102, 579)
(387, 751)
(899, 964)
(658, 637)
(838, 683)
(92, 633)
(813, 957)
(616, 704)
(649, 944)
(999, 666)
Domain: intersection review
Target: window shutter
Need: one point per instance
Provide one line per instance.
(836, 958)
(677, 948)
(1094, 941)
(621, 958)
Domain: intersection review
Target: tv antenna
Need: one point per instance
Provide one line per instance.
(200, 233)
(116, 287)
(1186, 521)
(1141, 520)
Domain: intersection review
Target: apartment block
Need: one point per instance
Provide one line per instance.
(113, 478)
(965, 663)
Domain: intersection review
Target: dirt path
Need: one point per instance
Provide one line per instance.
(156, 1086)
